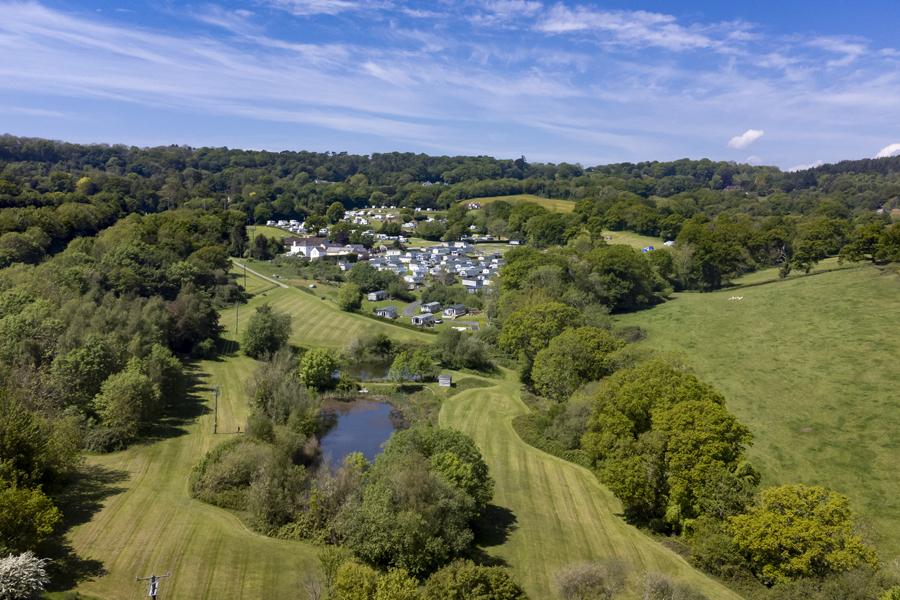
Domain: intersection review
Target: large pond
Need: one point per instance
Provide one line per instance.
(362, 426)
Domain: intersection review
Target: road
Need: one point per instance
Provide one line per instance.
(260, 275)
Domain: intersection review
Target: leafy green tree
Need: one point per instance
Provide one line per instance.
(267, 332)
(27, 517)
(451, 454)
(530, 329)
(408, 517)
(80, 372)
(128, 401)
(573, 358)
(415, 365)
(354, 581)
(460, 350)
(349, 297)
(165, 371)
(397, 584)
(317, 367)
(798, 531)
(464, 580)
(334, 213)
(702, 439)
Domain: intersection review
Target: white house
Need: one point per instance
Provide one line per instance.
(423, 320)
(387, 312)
(376, 295)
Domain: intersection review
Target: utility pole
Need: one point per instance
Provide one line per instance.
(237, 317)
(153, 589)
(245, 276)
(216, 410)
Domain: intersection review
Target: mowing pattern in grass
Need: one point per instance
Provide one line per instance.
(316, 322)
(153, 526)
(810, 365)
(562, 514)
(564, 206)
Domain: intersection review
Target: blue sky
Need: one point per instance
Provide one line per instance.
(788, 83)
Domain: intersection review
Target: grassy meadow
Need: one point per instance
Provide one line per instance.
(563, 206)
(141, 519)
(558, 513)
(810, 365)
(629, 238)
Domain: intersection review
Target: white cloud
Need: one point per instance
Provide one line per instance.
(811, 165)
(745, 139)
(889, 150)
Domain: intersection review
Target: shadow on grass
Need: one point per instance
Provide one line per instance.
(183, 413)
(79, 501)
(492, 529)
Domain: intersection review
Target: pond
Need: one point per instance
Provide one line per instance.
(369, 370)
(362, 426)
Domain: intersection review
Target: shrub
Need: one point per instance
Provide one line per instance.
(22, 576)
(463, 579)
(591, 581)
(224, 475)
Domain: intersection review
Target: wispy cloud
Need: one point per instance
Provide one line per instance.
(564, 80)
(637, 28)
(745, 139)
(889, 150)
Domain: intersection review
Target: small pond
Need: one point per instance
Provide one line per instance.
(369, 370)
(362, 426)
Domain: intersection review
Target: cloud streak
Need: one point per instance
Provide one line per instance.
(589, 84)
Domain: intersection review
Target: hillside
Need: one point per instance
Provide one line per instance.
(809, 364)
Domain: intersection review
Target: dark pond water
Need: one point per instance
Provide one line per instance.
(369, 370)
(362, 426)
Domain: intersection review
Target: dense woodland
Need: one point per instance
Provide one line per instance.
(113, 266)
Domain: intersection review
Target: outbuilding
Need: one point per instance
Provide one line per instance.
(430, 307)
(445, 380)
(377, 295)
(423, 320)
(386, 312)
(455, 310)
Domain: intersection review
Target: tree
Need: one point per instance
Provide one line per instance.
(267, 332)
(573, 358)
(530, 329)
(128, 401)
(415, 365)
(459, 350)
(396, 584)
(334, 213)
(798, 531)
(349, 297)
(27, 517)
(464, 580)
(22, 576)
(317, 367)
(408, 517)
(354, 581)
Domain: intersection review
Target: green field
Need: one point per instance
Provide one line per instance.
(146, 522)
(563, 206)
(272, 232)
(810, 365)
(149, 523)
(562, 514)
(635, 240)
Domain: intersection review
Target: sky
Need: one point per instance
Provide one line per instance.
(791, 83)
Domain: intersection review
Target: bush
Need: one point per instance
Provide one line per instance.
(349, 297)
(224, 475)
(317, 367)
(463, 580)
(267, 332)
(106, 439)
(659, 587)
(23, 576)
(591, 581)
(27, 517)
